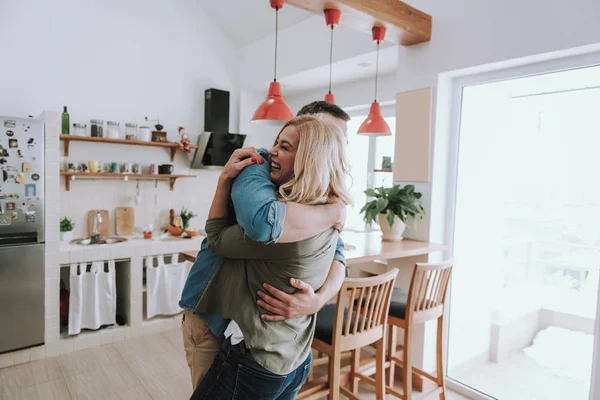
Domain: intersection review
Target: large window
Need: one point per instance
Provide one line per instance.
(366, 155)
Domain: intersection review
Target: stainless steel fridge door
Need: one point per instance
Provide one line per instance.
(22, 284)
(22, 177)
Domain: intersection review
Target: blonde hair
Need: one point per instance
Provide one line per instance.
(321, 165)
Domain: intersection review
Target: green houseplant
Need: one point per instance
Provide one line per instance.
(66, 229)
(186, 215)
(393, 208)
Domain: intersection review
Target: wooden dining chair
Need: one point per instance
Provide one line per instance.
(358, 319)
(423, 302)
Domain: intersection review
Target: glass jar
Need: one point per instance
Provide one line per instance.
(97, 128)
(130, 131)
(112, 129)
(79, 129)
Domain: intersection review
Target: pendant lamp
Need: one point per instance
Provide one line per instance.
(332, 18)
(375, 125)
(274, 107)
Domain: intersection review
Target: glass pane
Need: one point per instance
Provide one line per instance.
(527, 237)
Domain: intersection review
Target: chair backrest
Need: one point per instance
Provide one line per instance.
(427, 291)
(363, 306)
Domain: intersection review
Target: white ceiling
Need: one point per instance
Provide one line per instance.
(347, 70)
(246, 21)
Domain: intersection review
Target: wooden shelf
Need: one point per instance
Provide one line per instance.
(382, 170)
(172, 146)
(108, 175)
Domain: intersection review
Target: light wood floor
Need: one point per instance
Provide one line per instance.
(151, 367)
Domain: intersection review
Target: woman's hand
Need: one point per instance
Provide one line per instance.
(239, 160)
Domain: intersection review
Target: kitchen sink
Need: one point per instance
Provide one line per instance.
(103, 240)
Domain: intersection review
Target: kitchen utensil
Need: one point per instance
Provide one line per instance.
(126, 168)
(165, 169)
(94, 166)
(125, 218)
(112, 129)
(103, 227)
(137, 198)
(145, 134)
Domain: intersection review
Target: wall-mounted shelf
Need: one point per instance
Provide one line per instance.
(173, 147)
(382, 170)
(70, 176)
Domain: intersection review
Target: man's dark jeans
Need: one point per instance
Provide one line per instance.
(234, 375)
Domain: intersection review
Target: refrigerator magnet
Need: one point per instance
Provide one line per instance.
(3, 152)
(13, 143)
(20, 153)
(14, 215)
(30, 216)
(31, 143)
(35, 177)
(10, 133)
(3, 161)
(30, 190)
(5, 219)
(20, 178)
(10, 123)
(10, 206)
(26, 167)
(4, 176)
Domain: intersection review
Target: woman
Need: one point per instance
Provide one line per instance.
(271, 360)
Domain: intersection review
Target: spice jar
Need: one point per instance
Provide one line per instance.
(79, 129)
(130, 131)
(112, 129)
(97, 128)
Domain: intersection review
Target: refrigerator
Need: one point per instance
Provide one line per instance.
(21, 233)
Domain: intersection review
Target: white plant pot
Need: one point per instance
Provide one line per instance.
(66, 236)
(393, 233)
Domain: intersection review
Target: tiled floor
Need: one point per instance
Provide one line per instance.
(152, 368)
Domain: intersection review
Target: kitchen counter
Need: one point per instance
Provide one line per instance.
(365, 247)
(134, 246)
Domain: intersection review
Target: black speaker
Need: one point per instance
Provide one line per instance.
(216, 111)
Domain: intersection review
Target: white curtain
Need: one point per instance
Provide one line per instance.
(93, 296)
(164, 284)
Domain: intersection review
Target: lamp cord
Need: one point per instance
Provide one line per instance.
(276, 30)
(376, 71)
(330, 58)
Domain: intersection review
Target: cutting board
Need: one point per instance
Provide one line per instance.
(125, 218)
(103, 227)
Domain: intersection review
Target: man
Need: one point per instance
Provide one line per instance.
(264, 220)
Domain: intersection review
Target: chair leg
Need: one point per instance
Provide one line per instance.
(355, 363)
(407, 364)
(380, 370)
(441, 381)
(393, 333)
(335, 360)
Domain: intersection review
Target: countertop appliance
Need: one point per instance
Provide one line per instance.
(22, 277)
(216, 144)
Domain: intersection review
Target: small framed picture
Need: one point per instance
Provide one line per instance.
(13, 143)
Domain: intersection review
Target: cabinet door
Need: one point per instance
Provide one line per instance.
(413, 134)
(21, 296)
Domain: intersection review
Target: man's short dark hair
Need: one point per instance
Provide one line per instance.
(322, 107)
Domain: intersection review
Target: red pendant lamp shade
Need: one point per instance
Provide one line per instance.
(332, 18)
(274, 108)
(375, 125)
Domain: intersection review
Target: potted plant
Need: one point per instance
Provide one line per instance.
(66, 229)
(393, 208)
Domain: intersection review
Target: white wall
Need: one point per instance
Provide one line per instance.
(117, 60)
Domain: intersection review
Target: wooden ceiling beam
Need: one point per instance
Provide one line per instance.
(405, 24)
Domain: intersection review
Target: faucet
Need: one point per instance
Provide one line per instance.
(95, 238)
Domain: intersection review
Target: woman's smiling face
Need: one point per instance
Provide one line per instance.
(283, 155)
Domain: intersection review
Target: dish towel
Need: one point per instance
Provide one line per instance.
(93, 297)
(164, 284)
